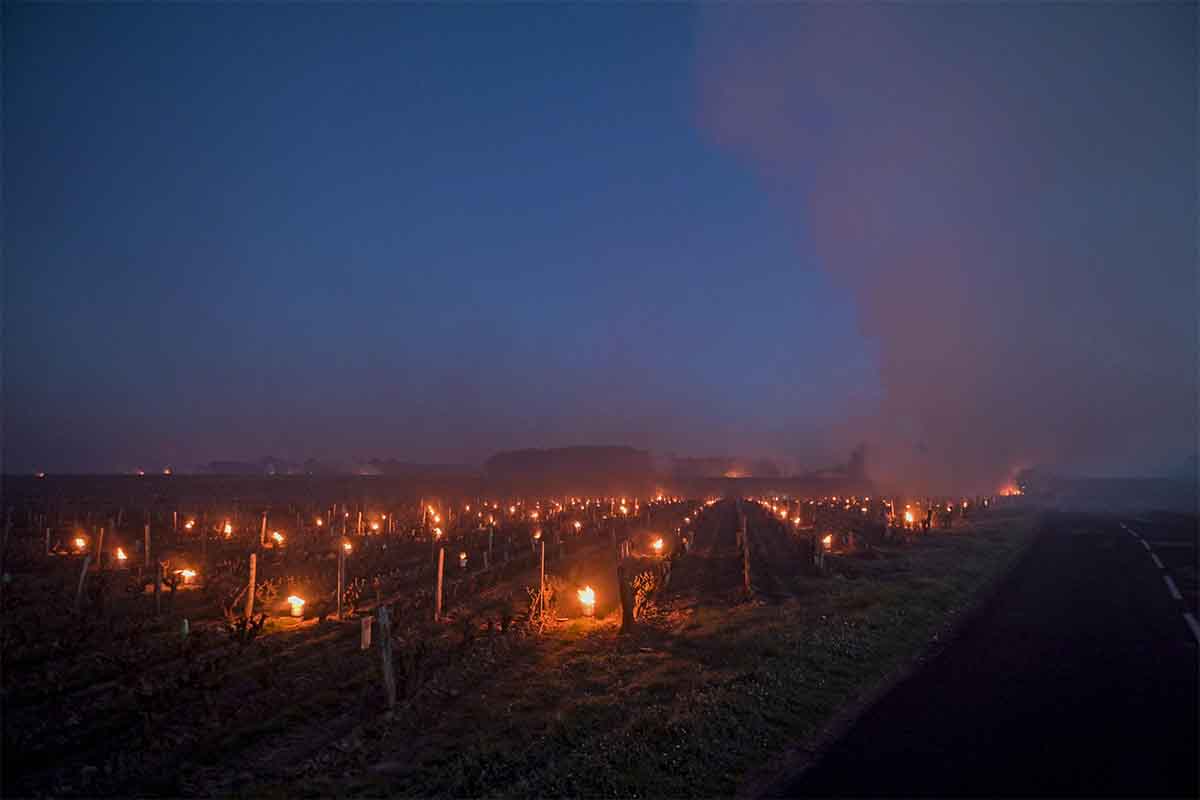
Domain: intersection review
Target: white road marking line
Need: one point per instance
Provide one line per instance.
(1157, 561)
(1195, 626)
(1145, 544)
(1172, 588)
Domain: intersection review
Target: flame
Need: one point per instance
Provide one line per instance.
(1011, 490)
(297, 604)
(374, 526)
(624, 509)
(578, 526)
(121, 554)
(277, 536)
(80, 542)
(437, 533)
(908, 517)
(658, 545)
(587, 598)
(191, 523)
(320, 522)
(462, 559)
(228, 529)
(186, 574)
(828, 541)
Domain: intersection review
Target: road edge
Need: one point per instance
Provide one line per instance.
(799, 757)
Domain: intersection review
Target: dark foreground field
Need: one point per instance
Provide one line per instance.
(707, 694)
(710, 692)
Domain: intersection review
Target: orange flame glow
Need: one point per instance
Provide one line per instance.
(587, 597)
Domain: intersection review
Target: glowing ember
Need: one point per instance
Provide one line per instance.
(437, 533)
(228, 529)
(80, 543)
(186, 574)
(578, 527)
(374, 526)
(277, 536)
(191, 523)
(624, 509)
(297, 604)
(320, 522)
(657, 545)
(908, 517)
(828, 541)
(587, 598)
(121, 554)
(462, 559)
(347, 547)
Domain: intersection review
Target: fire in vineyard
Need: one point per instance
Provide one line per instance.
(80, 542)
(228, 530)
(462, 559)
(375, 526)
(587, 598)
(657, 545)
(908, 517)
(297, 604)
(578, 527)
(121, 554)
(187, 574)
(320, 522)
(828, 541)
(347, 546)
(191, 523)
(277, 536)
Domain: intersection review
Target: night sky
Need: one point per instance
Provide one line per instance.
(965, 236)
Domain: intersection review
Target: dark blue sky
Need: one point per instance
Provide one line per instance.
(431, 233)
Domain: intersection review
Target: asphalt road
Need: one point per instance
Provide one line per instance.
(1078, 678)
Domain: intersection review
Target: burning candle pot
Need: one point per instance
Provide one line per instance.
(587, 599)
(297, 605)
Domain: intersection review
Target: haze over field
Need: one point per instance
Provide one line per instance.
(963, 235)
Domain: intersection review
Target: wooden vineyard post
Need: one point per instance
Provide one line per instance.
(158, 582)
(47, 540)
(625, 592)
(364, 632)
(491, 536)
(542, 582)
(262, 537)
(100, 550)
(146, 542)
(746, 585)
(341, 578)
(250, 587)
(385, 655)
(175, 521)
(437, 598)
(358, 526)
(87, 561)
